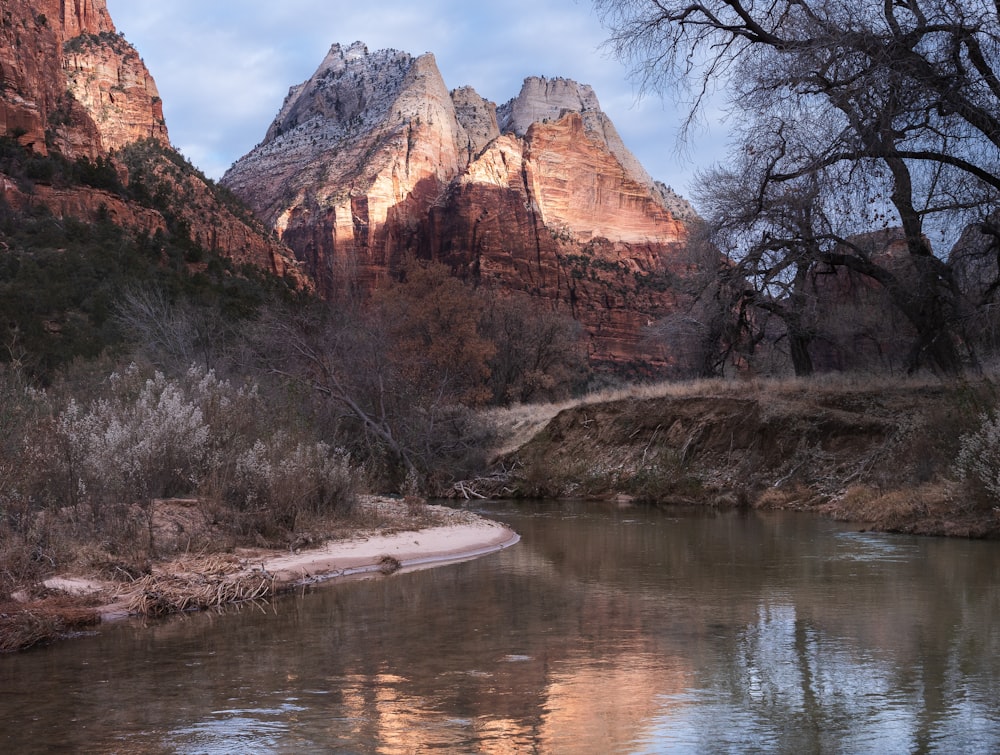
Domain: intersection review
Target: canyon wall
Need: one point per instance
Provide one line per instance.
(72, 86)
(70, 83)
(373, 160)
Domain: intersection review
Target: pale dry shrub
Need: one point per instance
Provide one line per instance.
(277, 480)
(126, 448)
(151, 437)
(978, 460)
(142, 438)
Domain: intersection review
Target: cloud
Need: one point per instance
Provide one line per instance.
(224, 67)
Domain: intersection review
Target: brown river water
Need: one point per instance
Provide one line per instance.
(605, 630)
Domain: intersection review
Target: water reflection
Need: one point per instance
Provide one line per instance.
(605, 630)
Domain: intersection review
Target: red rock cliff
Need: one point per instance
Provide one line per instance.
(554, 216)
(69, 82)
(373, 159)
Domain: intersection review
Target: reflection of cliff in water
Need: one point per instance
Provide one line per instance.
(607, 629)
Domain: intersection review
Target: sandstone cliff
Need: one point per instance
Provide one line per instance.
(368, 136)
(108, 78)
(373, 159)
(71, 86)
(552, 214)
(70, 83)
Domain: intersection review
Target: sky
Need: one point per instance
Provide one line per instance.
(223, 67)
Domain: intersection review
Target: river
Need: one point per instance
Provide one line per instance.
(605, 630)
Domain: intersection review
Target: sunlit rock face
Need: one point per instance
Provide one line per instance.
(355, 159)
(69, 82)
(552, 215)
(78, 16)
(107, 76)
(373, 160)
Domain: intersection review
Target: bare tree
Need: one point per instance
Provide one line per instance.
(770, 234)
(710, 330)
(393, 376)
(173, 336)
(891, 107)
(344, 360)
(540, 353)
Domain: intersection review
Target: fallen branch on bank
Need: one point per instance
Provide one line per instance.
(499, 484)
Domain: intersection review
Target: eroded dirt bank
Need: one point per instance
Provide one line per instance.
(882, 457)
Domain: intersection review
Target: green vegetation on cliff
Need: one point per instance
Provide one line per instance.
(61, 278)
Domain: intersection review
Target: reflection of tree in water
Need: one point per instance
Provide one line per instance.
(621, 628)
(804, 636)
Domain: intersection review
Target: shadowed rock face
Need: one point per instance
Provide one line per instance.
(373, 159)
(551, 214)
(70, 82)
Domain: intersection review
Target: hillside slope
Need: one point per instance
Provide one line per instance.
(94, 200)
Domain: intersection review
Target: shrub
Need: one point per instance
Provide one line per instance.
(978, 460)
(157, 437)
(275, 481)
(153, 443)
(83, 463)
(143, 439)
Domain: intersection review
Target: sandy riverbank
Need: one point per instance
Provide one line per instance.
(403, 541)
(408, 550)
(265, 573)
(190, 584)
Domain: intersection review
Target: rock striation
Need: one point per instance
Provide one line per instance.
(373, 160)
(71, 85)
(108, 78)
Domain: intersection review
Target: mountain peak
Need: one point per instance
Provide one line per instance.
(372, 160)
(351, 86)
(543, 99)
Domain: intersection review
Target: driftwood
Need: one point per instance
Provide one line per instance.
(498, 484)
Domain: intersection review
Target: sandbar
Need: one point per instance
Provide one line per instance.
(458, 536)
(409, 550)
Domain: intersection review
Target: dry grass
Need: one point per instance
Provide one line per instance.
(785, 497)
(160, 594)
(43, 620)
(757, 386)
(932, 508)
(519, 423)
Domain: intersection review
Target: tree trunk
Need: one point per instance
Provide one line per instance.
(798, 345)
